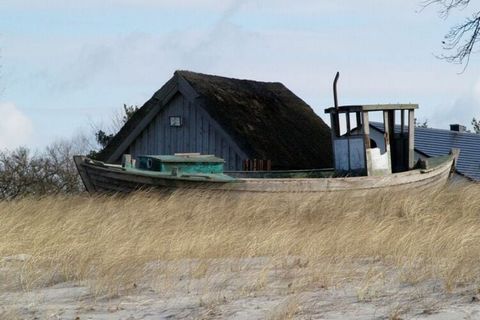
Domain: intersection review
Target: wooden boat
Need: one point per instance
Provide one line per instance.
(101, 177)
(359, 165)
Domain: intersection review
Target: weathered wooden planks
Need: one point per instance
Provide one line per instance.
(98, 178)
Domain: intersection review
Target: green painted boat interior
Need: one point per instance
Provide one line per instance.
(182, 167)
(181, 164)
(209, 167)
(207, 177)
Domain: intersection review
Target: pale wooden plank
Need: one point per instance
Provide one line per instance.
(411, 138)
(371, 107)
(366, 130)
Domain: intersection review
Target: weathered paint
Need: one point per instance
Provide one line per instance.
(179, 165)
(193, 167)
(100, 177)
(349, 154)
(378, 163)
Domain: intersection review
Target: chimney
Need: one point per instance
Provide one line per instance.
(458, 128)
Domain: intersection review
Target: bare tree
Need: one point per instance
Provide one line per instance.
(52, 171)
(462, 38)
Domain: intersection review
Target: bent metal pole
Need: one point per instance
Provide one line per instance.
(335, 100)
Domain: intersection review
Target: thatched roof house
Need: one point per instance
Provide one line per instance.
(231, 118)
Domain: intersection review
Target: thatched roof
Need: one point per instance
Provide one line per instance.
(265, 119)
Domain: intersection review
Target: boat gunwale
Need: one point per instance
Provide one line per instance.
(110, 167)
(418, 178)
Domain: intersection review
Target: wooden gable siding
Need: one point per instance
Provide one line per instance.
(198, 133)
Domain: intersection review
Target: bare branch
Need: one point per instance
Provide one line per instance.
(462, 38)
(447, 5)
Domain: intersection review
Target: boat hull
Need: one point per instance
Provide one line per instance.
(99, 177)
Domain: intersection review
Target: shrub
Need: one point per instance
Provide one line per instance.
(23, 172)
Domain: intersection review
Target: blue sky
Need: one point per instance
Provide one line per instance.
(68, 64)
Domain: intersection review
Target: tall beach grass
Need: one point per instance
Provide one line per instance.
(114, 243)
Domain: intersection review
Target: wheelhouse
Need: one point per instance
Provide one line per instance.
(356, 154)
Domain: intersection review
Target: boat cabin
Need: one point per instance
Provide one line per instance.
(176, 165)
(356, 154)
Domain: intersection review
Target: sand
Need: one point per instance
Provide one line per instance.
(253, 288)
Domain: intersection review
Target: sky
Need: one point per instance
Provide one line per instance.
(68, 66)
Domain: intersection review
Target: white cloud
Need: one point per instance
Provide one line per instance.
(15, 127)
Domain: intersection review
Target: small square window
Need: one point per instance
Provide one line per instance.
(175, 121)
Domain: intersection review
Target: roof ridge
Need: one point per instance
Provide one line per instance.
(200, 74)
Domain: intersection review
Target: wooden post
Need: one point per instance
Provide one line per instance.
(366, 130)
(391, 124)
(411, 138)
(359, 120)
(402, 123)
(366, 140)
(348, 123)
(386, 135)
(333, 135)
(386, 139)
(392, 140)
(335, 124)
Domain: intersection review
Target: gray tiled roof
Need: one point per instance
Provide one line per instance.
(435, 142)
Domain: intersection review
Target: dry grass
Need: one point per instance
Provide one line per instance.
(307, 240)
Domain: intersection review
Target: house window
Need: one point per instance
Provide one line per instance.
(175, 121)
